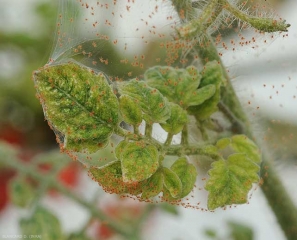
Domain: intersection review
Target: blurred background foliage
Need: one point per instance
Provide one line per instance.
(21, 52)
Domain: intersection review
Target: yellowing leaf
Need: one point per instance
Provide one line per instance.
(177, 120)
(231, 180)
(110, 178)
(152, 103)
(211, 75)
(139, 161)
(79, 104)
(187, 173)
(242, 144)
(130, 110)
(153, 186)
(172, 182)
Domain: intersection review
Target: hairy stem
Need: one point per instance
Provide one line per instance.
(205, 150)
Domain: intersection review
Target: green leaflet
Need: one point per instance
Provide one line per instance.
(110, 179)
(139, 161)
(187, 173)
(42, 223)
(154, 185)
(79, 104)
(172, 182)
(21, 192)
(177, 120)
(241, 144)
(120, 148)
(152, 103)
(130, 110)
(211, 75)
(231, 180)
(179, 85)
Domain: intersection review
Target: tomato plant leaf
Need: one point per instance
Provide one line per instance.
(230, 180)
(153, 186)
(110, 178)
(130, 110)
(152, 103)
(172, 182)
(139, 161)
(78, 103)
(177, 120)
(187, 173)
(21, 192)
(211, 75)
(43, 223)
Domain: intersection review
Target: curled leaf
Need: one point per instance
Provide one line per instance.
(187, 173)
(110, 178)
(172, 182)
(177, 120)
(212, 75)
(152, 103)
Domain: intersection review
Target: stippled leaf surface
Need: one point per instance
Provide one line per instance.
(241, 144)
(211, 75)
(152, 103)
(179, 85)
(172, 182)
(130, 110)
(187, 173)
(230, 180)
(110, 178)
(178, 118)
(154, 185)
(79, 104)
(139, 161)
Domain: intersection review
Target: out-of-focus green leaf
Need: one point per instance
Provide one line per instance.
(21, 192)
(42, 223)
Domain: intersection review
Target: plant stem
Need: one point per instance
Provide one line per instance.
(273, 189)
(168, 139)
(185, 136)
(205, 150)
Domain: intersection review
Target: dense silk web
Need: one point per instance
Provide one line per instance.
(107, 56)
